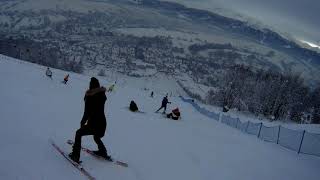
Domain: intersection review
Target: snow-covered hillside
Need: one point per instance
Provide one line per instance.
(35, 108)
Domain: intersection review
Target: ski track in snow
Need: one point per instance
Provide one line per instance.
(35, 108)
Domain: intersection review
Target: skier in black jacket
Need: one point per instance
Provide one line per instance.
(133, 107)
(93, 121)
(49, 73)
(164, 103)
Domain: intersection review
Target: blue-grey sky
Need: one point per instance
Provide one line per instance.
(300, 18)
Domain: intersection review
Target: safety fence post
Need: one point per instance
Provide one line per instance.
(247, 126)
(304, 131)
(237, 123)
(260, 130)
(278, 134)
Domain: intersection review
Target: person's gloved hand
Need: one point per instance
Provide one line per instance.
(82, 123)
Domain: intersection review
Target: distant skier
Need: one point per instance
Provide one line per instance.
(65, 79)
(111, 88)
(133, 107)
(175, 114)
(93, 121)
(151, 94)
(49, 73)
(164, 103)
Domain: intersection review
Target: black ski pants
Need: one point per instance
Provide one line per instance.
(86, 131)
(165, 108)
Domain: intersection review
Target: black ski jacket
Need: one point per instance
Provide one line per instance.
(93, 115)
(165, 102)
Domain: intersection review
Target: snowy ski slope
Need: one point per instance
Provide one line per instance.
(34, 108)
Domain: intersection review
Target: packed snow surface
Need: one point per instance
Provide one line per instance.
(35, 108)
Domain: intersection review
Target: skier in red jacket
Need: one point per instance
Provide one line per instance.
(175, 114)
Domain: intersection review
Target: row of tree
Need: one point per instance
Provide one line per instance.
(38, 52)
(272, 94)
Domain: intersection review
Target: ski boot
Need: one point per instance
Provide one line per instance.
(74, 158)
(103, 154)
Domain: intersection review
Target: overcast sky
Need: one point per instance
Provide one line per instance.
(300, 18)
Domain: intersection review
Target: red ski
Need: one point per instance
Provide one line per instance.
(123, 164)
(75, 164)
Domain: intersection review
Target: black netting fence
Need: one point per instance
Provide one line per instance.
(224, 119)
(269, 133)
(311, 144)
(290, 139)
(203, 111)
(296, 140)
(253, 128)
(242, 126)
(233, 122)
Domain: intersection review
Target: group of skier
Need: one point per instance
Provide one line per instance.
(175, 114)
(49, 74)
(66, 79)
(94, 122)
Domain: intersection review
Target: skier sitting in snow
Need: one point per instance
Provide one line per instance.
(49, 73)
(175, 114)
(65, 79)
(133, 106)
(165, 101)
(93, 121)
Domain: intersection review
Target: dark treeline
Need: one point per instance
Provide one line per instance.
(195, 48)
(272, 94)
(39, 53)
